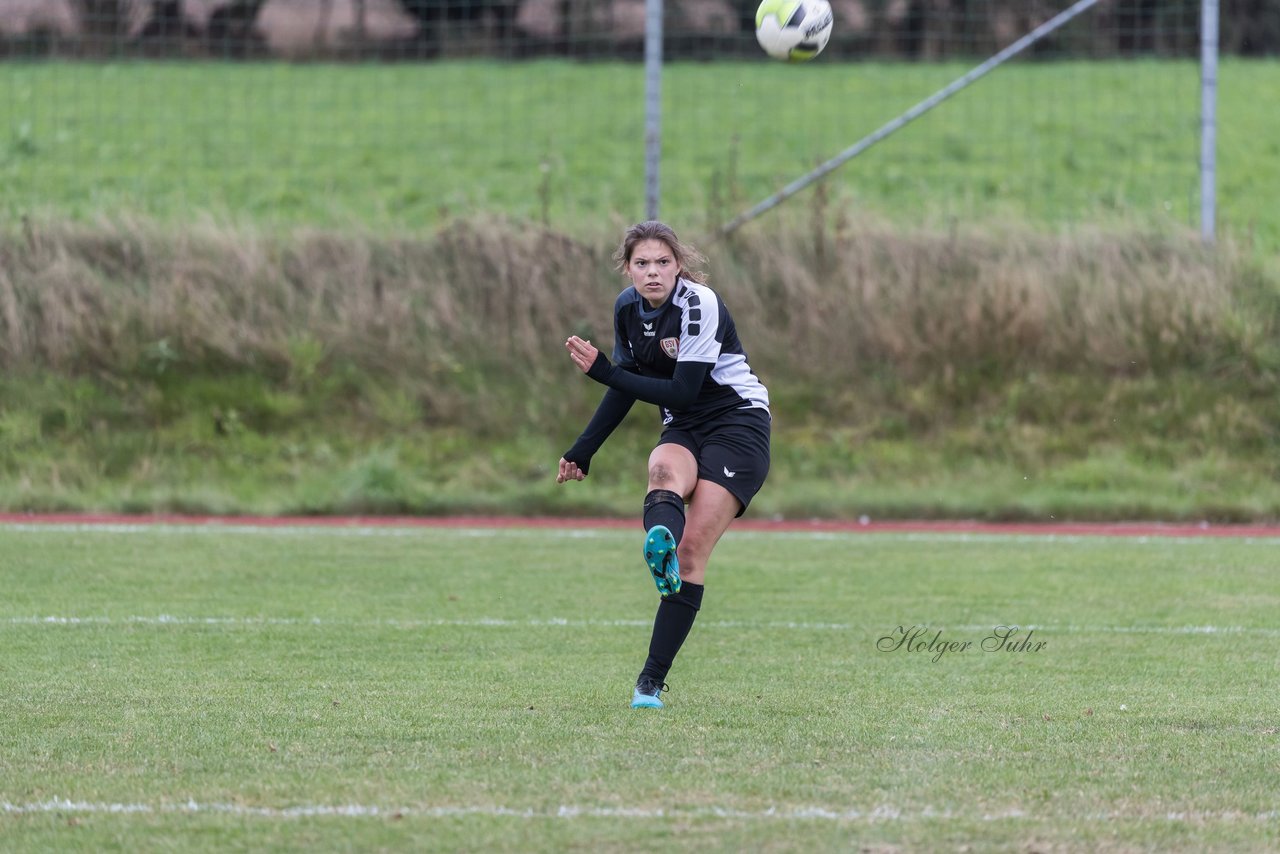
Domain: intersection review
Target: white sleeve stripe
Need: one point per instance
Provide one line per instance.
(698, 338)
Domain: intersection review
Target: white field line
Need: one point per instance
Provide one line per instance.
(560, 622)
(879, 814)
(287, 531)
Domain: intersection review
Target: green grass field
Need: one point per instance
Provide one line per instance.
(407, 144)
(225, 688)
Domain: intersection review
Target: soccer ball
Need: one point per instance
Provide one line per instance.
(793, 30)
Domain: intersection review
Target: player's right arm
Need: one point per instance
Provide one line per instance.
(609, 414)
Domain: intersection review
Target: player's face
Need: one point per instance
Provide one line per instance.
(653, 270)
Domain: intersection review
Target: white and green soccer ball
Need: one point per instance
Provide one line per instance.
(793, 30)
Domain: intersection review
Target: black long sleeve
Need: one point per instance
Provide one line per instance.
(677, 393)
(609, 414)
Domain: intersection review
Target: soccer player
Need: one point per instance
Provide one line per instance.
(675, 345)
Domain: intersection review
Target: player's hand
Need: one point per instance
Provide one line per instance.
(582, 352)
(569, 471)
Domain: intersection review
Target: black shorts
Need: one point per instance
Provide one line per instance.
(732, 450)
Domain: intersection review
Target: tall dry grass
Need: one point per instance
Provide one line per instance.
(76, 296)
(924, 301)
(487, 304)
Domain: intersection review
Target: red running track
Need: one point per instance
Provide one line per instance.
(1115, 529)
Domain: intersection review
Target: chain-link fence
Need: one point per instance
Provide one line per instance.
(698, 29)
(399, 112)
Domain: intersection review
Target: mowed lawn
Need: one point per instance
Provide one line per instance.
(412, 144)
(222, 687)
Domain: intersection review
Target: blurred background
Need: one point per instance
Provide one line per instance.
(404, 111)
(320, 255)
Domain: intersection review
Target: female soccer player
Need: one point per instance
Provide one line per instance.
(675, 345)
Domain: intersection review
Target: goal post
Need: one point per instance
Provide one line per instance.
(1208, 120)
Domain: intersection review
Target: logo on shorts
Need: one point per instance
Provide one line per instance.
(728, 473)
(670, 346)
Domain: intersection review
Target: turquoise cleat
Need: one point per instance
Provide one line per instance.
(660, 557)
(646, 694)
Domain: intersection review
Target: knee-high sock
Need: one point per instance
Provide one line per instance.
(664, 507)
(671, 626)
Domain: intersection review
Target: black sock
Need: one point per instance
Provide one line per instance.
(671, 626)
(664, 507)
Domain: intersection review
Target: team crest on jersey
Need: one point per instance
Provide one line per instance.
(670, 346)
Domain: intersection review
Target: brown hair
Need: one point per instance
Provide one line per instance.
(687, 257)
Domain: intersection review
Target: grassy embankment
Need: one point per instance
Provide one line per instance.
(401, 365)
(998, 375)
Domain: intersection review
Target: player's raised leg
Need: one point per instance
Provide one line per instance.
(712, 509)
(673, 472)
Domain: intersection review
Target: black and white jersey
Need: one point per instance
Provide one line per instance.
(693, 325)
